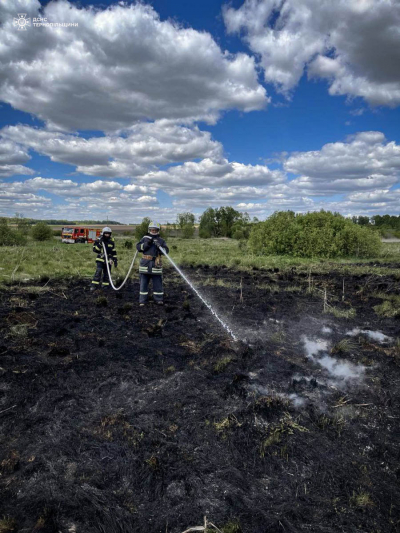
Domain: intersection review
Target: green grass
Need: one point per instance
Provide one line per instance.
(55, 260)
(222, 363)
(390, 307)
(341, 313)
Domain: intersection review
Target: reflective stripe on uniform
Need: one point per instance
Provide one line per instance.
(105, 283)
(159, 293)
(97, 249)
(99, 259)
(96, 282)
(144, 293)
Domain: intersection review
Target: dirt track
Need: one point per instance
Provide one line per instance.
(118, 419)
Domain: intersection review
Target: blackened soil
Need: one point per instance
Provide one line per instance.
(116, 418)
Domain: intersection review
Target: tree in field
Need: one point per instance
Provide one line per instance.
(222, 222)
(387, 221)
(9, 237)
(22, 224)
(142, 228)
(319, 234)
(361, 220)
(42, 232)
(186, 221)
(207, 227)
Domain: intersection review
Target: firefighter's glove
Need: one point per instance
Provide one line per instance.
(157, 242)
(147, 244)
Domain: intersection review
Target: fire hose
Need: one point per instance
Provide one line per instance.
(109, 272)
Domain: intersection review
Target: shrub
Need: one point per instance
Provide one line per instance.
(42, 232)
(10, 237)
(204, 233)
(57, 233)
(239, 234)
(186, 221)
(188, 231)
(320, 234)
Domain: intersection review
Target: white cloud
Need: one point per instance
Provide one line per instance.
(121, 65)
(211, 173)
(366, 161)
(133, 152)
(363, 170)
(379, 196)
(355, 44)
(12, 157)
(49, 184)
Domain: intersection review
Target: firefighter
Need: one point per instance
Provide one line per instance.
(101, 267)
(150, 266)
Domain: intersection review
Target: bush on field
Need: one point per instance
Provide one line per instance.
(187, 231)
(185, 222)
(322, 234)
(42, 232)
(10, 237)
(57, 233)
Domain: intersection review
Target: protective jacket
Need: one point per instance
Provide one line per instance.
(151, 262)
(110, 247)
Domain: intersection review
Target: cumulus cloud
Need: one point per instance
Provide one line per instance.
(387, 197)
(366, 161)
(364, 170)
(12, 157)
(133, 152)
(121, 65)
(354, 44)
(211, 173)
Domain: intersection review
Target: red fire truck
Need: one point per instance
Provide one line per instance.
(79, 234)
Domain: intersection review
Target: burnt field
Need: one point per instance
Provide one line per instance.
(118, 419)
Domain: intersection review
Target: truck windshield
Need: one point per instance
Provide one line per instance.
(68, 230)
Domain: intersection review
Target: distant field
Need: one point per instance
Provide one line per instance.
(116, 228)
(52, 259)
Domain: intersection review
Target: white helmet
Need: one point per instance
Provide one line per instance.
(154, 225)
(106, 230)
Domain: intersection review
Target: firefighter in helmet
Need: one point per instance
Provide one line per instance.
(150, 266)
(101, 267)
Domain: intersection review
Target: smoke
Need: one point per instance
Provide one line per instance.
(338, 369)
(374, 335)
(341, 369)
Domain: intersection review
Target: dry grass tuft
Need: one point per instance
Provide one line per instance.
(7, 525)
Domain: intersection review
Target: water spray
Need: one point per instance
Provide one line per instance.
(225, 326)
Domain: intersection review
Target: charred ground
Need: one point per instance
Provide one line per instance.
(116, 418)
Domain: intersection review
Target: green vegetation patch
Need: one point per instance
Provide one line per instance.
(322, 234)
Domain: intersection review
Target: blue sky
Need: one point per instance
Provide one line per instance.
(158, 108)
